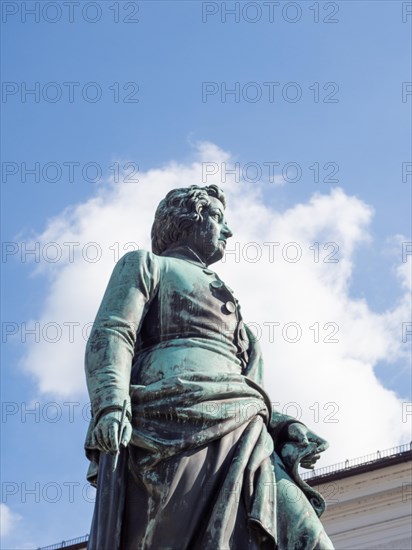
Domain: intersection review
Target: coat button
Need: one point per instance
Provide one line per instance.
(216, 284)
(230, 306)
(208, 272)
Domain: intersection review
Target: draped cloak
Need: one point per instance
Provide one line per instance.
(203, 468)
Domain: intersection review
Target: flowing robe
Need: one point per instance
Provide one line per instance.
(201, 470)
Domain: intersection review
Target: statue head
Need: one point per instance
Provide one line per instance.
(193, 217)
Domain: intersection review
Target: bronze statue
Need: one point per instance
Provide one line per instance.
(185, 448)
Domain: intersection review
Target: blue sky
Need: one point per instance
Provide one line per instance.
(165, 59)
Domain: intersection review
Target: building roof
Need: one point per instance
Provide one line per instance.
(367, 463)
(71, 544)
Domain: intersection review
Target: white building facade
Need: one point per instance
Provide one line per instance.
(369, 502)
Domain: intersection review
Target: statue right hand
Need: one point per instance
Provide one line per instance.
(106, 432)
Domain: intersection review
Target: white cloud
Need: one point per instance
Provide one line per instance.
(333, 383)
(8, 520)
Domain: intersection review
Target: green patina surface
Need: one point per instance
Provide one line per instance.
(170, 342)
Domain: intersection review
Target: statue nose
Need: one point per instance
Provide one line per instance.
(227, 232)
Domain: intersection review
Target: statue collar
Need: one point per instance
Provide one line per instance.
(184, 253)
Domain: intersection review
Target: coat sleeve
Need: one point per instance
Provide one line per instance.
(110, 348)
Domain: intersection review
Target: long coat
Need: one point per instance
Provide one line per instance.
(202, 469)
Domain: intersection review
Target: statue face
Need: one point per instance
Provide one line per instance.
(208, 237)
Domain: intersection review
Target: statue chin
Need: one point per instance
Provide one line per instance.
(219, 253)
(217, 256)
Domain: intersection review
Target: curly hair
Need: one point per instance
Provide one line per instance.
(178, 211)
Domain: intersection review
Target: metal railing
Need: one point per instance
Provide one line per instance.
(65, 543)
(354, 462)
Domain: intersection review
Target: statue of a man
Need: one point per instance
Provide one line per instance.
(175, 381)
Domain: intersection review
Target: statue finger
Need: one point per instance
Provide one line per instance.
(97, 436)
(113, 437)
(126, 435)
(101, 439)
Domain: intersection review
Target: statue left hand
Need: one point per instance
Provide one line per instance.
(305, 438)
